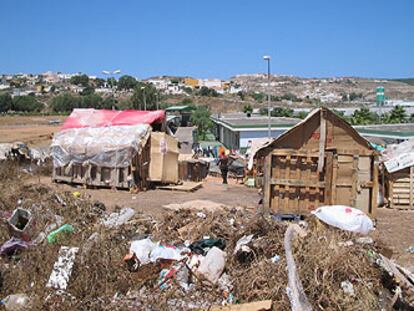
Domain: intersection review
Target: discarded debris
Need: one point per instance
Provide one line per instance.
(120, 218)
(345, 218)
(62, 269)
(61, 231)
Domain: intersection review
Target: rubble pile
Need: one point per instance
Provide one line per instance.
(77, 255)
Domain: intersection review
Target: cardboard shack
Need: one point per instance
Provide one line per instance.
(320, 161)
(105, 147)
(399, 175)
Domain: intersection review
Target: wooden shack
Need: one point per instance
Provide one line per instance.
(399, 187)
(106, 148)
(399, 175)
(320, 161)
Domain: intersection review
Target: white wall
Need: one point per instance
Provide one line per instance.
(252, 135)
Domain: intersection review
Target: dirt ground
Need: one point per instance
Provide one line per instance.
(152, 201)
(396, 229)
(33, 130)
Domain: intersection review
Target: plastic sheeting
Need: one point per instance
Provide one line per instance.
(112, 146)
(81, 118)
(397, 157)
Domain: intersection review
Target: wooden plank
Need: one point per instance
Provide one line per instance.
(322, 142)
(328, 178)
(267, 186)
(375, 188)
(187, 186)
(411, 185)
(287, 187)
(307, 177)
(334, 177)
(297, 183)
(354, 180)
(298, 175)
(294, 152)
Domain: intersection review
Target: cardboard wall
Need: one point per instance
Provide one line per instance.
(164, 158)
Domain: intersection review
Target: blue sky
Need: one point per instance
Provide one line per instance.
(215, 38)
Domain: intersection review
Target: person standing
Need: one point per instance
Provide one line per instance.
(223, 164)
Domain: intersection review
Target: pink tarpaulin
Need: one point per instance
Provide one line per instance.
(80, 118)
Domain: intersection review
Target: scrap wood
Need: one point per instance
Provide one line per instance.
(397, 273)
(251, 306)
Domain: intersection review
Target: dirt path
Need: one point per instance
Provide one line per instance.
(151, 201)
(396, 229)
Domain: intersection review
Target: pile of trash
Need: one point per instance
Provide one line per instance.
(63, 251)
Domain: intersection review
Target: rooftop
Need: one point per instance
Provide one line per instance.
(242, 121)
(398, 131)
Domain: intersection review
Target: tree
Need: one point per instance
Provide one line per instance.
(259, 97)
(247, 108)
(99, 82)
(111, 82)
(26, 104)
(92, 101)
(201, 119)
(87, 91)
(145, 94)
(65, 103)
(82, 80)
(363, 116)
(5, 102)
(282, 112)
(396, 115)
(241, 94)
(205, 91)
(127, 83)
(301, 114)
(109, 103)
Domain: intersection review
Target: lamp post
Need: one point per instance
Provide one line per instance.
(269, 127)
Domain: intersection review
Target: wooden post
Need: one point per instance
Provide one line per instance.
(411, 186)
(267, 185)
(287, 188)
(322, 141)
(374, 196)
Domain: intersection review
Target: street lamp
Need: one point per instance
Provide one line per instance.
(111, 74)
(269, 128)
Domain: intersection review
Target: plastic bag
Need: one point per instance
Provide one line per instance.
(212, 265)
(142, 250)
(165, 252)
(345, 218)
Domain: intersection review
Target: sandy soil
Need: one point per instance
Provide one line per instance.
(32, 130)
(152, 201)
(396, 229)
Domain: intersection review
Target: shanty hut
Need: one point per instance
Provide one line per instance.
(320, 161)
(105, 147)
(399, 175)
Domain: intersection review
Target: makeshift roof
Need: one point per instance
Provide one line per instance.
(240, 121)
(81, 118)
(399, 156)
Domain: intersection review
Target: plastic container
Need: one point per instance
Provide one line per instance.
(54, 235)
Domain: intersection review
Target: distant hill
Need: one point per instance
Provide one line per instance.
(409, 81)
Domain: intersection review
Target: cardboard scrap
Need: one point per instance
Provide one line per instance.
(251, 306)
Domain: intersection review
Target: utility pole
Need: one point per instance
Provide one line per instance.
(269, 125)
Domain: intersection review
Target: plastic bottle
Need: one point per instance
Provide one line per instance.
(54, 235)
(17, 302)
